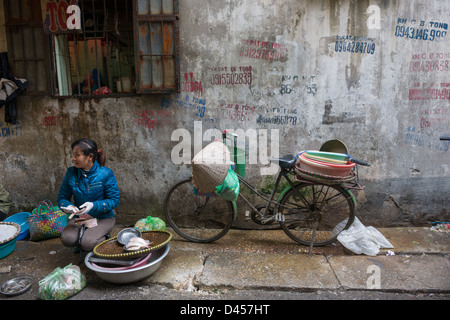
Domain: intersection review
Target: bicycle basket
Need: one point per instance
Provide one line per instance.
(350, 181)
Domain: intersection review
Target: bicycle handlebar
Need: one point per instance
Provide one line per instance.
(445, 137)
(363, 163)
(225, 132)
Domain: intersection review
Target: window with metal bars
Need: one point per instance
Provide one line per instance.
(123, 47)
(27, 44)
(157, 53)
(98, 59)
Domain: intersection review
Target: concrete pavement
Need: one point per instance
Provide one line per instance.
(258, 260)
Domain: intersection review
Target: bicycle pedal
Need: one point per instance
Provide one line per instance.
(280, 217)
(247, 216)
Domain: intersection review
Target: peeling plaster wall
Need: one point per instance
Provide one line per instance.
(267, 65)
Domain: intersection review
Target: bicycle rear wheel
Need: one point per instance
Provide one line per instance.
(316, 213)
(196, 217)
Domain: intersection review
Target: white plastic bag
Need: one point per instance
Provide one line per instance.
(360, 239)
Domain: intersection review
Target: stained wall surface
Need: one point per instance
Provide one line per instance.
(373, 74)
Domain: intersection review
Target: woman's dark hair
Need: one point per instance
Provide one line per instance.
(88, 147)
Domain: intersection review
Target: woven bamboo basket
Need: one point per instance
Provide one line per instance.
(112, 249)
(210, 167)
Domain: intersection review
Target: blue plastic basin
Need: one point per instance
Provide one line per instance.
(7, 248)
(21, 219)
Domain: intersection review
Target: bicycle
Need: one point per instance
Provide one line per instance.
(312, 210)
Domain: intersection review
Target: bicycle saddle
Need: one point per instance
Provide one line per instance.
(286, 162)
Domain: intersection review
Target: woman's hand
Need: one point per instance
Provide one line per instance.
(85, 208)
(70, 209)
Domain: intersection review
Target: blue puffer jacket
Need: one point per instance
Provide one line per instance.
(98, 185)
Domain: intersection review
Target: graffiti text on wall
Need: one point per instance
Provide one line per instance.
(49, 118)
(263, 50)
(191, 85)
(427, 92)
(289, 84)
(431, 62)
(50, 121)
(354, 44)
(430, 31)
(278, 115)
(7, 130)
(434, 117)
(13, 161)
(429, 140)
(232, 75)
(237, 112)
(195, 104)
(152, 119)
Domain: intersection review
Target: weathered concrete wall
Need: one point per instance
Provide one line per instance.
(309, 71)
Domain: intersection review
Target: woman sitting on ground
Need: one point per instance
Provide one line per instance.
(95, 194)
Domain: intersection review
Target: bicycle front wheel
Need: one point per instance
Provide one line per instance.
(195, 217)
(316, 213)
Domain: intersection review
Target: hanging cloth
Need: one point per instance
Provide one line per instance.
(10, 88)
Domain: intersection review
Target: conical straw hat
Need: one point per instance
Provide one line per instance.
(210, 166)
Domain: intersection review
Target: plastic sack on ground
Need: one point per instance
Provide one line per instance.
(363, 240)
(61, 284)
(150, 223)
(229, 189)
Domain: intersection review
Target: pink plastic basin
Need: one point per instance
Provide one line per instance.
(331, 169)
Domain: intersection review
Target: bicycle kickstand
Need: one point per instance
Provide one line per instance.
(312, 240)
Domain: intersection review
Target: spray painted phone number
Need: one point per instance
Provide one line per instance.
(355, 47)
(419, 33)
(232, 78)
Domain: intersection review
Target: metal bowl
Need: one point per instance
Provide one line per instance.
(334, 145)
(125, 235)
(16, 286)
(130, 275)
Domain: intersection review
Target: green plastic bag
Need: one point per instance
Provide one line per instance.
(150, 223)
(61, 284)
(229, 189)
